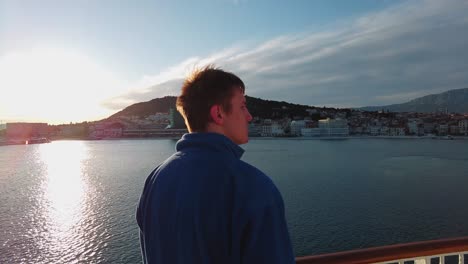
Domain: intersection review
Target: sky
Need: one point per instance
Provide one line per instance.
(73, 61)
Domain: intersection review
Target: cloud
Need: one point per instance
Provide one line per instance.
(391, 56)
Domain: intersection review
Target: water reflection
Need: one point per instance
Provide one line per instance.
(64, 192)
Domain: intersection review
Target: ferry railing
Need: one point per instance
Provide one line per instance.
(444, 251)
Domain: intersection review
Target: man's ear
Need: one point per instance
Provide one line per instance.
(216, 114)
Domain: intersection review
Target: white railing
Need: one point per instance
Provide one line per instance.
(444, 251)
(450, 258)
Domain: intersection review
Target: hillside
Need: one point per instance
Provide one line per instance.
(257, 107)
(454, 101)
(144, 109)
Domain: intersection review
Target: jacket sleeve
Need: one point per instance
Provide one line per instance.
(266, 238)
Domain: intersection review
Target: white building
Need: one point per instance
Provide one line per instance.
(384, 131)
(296, 127)
(463, 126)
(429, 128)
(396, 131)
(159, 117)
(442, 129)
(311, 132)
(454, 130)
(414, 127)
(277, 129)
(375, 130)
(334, 127)
(272, 130)
(327, 128)
(267, 121)
(255, 130)
(266, 131)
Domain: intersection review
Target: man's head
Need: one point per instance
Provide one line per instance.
(212, 100)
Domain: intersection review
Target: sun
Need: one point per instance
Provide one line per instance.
(54, 85)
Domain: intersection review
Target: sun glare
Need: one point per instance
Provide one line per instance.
(64, 188)
(55, 86)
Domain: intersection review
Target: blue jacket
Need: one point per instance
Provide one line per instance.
(205, 205)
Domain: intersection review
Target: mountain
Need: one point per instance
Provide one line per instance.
(144, 109)
(274, 109)
(257, 107)
(454, 101)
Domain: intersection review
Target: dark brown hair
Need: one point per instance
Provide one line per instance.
(201, 90)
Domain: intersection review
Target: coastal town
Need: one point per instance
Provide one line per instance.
(317, 123)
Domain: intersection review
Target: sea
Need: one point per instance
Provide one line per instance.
(74, 201)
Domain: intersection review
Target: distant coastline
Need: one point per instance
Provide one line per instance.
(365, 137)
(4, 142)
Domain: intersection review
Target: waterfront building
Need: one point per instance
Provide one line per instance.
(396, 131)
(296, 126)
(266, 131)
(413, 128)
(272, 130)
(442, 129)
(159, 117)
(311, 132)
(277, 129)
(463, 127)
(99, 130)
(375, 130)
(333, 123)
(401, 131)
(416, 126)
(376, 122)
(429, 128)
(255, 130)
(154, 132)
(26, 130)
(334, 127)
(266, 128)
(356, 130)
(384, 131)
(75, 130)
(454, 130)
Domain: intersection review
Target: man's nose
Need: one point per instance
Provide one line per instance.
(249, 116)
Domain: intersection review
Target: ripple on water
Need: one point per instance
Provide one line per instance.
(74, 201)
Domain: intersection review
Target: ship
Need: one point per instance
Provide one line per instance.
(443, 251)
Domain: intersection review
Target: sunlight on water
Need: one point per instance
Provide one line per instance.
(74, 201)
(64, 191)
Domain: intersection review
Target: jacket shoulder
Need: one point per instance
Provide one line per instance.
(258, 187)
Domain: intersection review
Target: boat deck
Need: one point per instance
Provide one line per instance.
(445, 251)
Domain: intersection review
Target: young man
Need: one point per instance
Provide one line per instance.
(204, 204)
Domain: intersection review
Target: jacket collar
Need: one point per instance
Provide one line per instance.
(215, 141)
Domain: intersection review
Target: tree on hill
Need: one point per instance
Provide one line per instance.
(274, 109)
(264, 109)
(144, 109)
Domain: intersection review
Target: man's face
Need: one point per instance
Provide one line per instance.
(236, 123)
